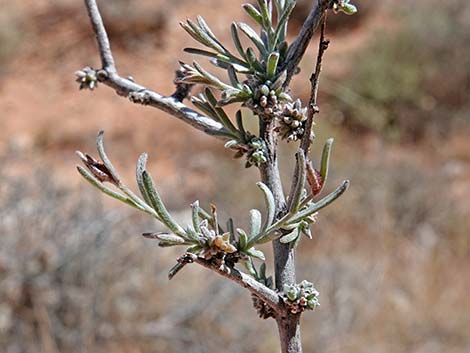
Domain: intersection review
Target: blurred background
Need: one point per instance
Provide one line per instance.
(391, 258)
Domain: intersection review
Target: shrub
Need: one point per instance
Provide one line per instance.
(412, 81)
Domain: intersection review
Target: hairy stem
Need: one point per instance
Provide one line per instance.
(126, 87)
(289, 332)
(284, 259)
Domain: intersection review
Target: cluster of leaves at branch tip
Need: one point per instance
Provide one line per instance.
(205, 237)
(87, 78)
(291, 122)
(344, 6)
(300, 297)
(252, 147)
(261, 64)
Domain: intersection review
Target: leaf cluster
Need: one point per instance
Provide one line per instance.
(206, 237)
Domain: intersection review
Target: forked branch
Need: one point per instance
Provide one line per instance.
(109, 76)
(208, 244)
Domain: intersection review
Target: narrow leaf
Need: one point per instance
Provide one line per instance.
(205, 38)
(251, 267)
(255, 223)
(253, 12)
(271, 67)
(266, 41)
(215, 218)
(158, 205)
(209, 54)
(232, 74)
(281, 78)
(256, 254)
(231, 143)
(223, 117)
(215, 81)
(141, 165)
(193, 33)
(315, 207)
(164, 244)
(253, 36)
(194, 249)
(280, 4)
(204, 26)
(291, 226)
(299, 182)
(205, 108)
(253, 60)
(236, 40)
(325, 159)
(170, 238)
(292, 236)
(281, 29)
(265, 13)
(230, 100)
(243, 239)
(191, 234)
(270, 205)
(104, 156)
(275, 234)
(231, 230)
(195, 217)
(165, 237)
(240, 126)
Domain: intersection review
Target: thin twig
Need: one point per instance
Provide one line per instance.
(140, 94)
(107, 59)
(315, 82)
(312, 106)
(299, 46)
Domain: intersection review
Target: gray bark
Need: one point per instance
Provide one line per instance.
(289, 333)
(284, 259)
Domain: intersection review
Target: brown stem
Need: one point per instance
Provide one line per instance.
(314, 84)
(300, 44)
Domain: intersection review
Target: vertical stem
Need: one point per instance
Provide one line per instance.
(289, 333)
(284, 259)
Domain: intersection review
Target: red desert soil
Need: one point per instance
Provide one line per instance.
(44, 114)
